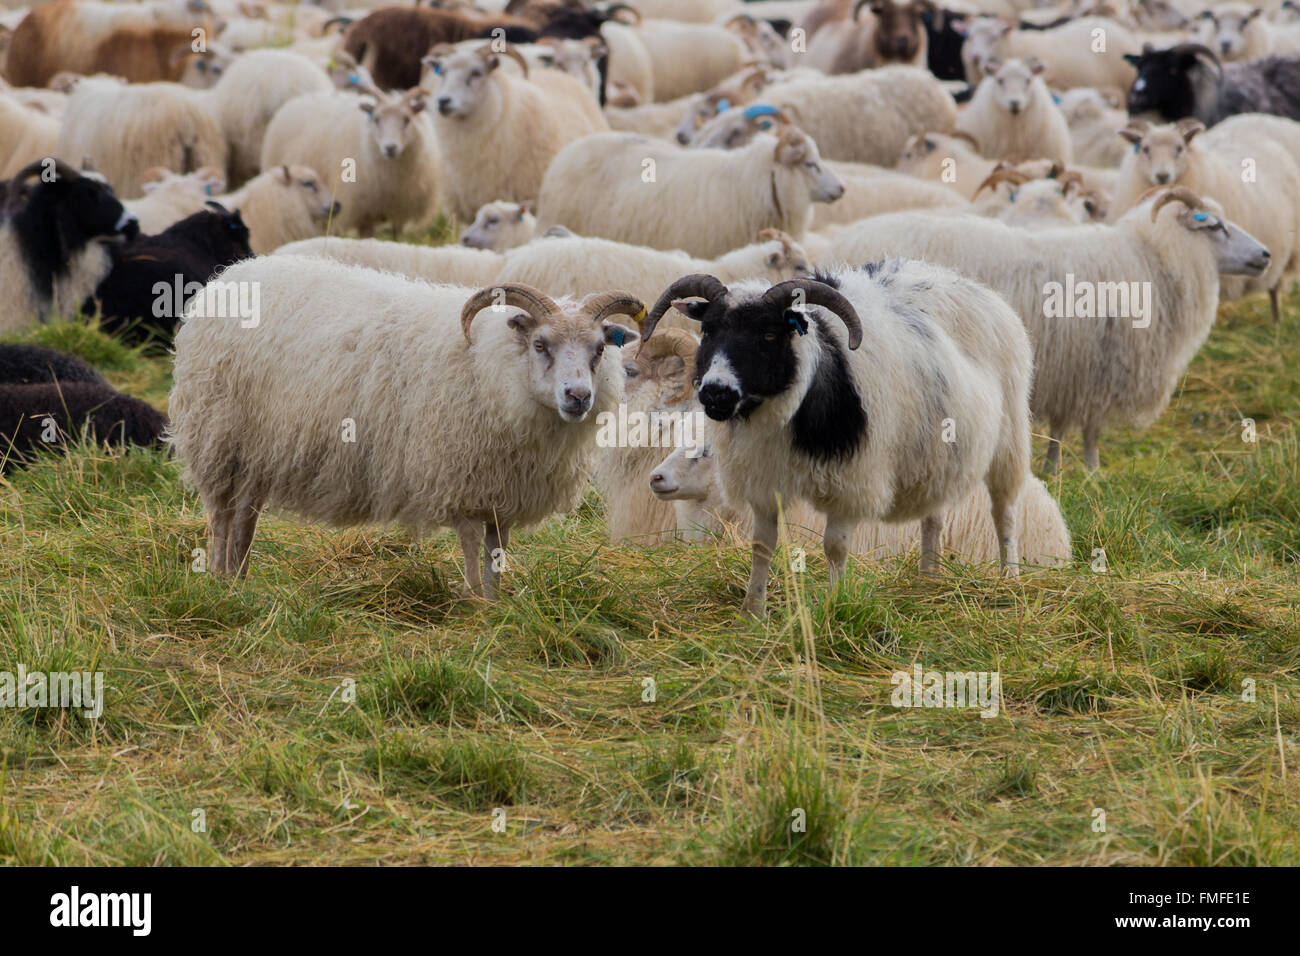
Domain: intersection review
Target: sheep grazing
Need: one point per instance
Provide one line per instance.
(54, 235)
(153, 277)
(1012, 115)
(1211, 165)
(1115, 312)
(500, 226)
(1188, 80)
(135, 41)
(379, 155)
(37, 418)
(688, 479)
(391, 41)
(169, 197)
(1068, 50)
(283, 205)
(580, 266)
(446, 265)
(894, 32)
(249, 94)
(127, 130)
(859, 432)
(497, 434)
(37, 365)
(720, 199)
(499, 130)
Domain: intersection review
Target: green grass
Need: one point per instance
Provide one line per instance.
(346, 703)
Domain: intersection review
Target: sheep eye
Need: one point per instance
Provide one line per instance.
(769, 336)
(493, 221)
(539, 345)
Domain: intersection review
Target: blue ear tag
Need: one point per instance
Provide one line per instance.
(1056, 99)
(1136, 146)
(618, 335)
(723, 106)
(207, 189)
(759, 109)
(797, 320)
(437, 69)
(1200, 216)
(1013, 197)
(354, 80)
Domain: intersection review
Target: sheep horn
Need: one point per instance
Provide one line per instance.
(1198, 49)
(614, 8)
(819, 293)
(674, 342)
(604, 304)
(1177, 194)
(858, 7)
(1003, 174)
(962, 134)
(537, 304)
(510, 51)
(699, 285)
(767, 235)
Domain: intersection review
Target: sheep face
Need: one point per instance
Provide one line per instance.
(1223, 29)
(899, 29)
(83, 208)
(1167, 80)
(1013, 83)
(1163, 152)
(688, 474)
(983, 38)
(500, 226)
(201, 71)
(578, 58)
(783, 258)
(1158, 15)
(308, 192)
(1236, 252)
(465, 82)
(393, 121)
(796, 150)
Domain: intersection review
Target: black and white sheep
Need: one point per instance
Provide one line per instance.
(936, 402)
(1188, 80)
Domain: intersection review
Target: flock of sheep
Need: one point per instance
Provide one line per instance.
(864, 244)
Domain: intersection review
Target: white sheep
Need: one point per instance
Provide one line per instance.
(500, 226)
(705, 201)
(282, 205)
(689, 57)
(500, 130)
(26, 134)
(579, 266)
(1071, 52)
(1234, 31)
(1250, 176)
(377, 154)
(954, 160)
(1115, 312)
(883, 393)
(1095, 121)
(1012, 115)
(169, 197)
(125, 130)
(404, 407)
(445, 265)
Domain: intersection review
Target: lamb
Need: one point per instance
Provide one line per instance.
(1068, 51)
(500, 226)
(37, 365)
(1144, 291)
(249, 94)
(154, 276)
(798, 394)
(580, 266)
(26, 135)
(496, 435)
(90, 37)
(1095, 122)
(379, 154)
(688, 479)
(1165, 155)
(1012, 115)
(53, 238)
(126, 130)
(36, 418)
(1188, 80)
(894, 33)
(733, 194)
(499, 131)
(169, 198)
(444, 265)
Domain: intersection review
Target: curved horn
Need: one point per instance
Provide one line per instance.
(677, 342)
(510, 51)
(537, 304)
(1177, 194)
(767, 235)
(819, 293)
(1199, 49)
(603, 304)
(858, 7)
(614, 8)
(963, 135)
(698, 285)
(1003, 174)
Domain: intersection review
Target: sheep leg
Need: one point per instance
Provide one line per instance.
(220, 514)
(765, 534)
(836, 543)
(468, 533)
(1004, 521)
(496, 538)
(240, 538)
(1275, 302)
(931, 543)
(1090, 457)
(1053, 460)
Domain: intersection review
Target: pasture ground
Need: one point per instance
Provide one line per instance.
(1121, 691)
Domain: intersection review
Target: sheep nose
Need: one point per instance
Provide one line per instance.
(656, 480)
(444, 105)
(1162, 178)
(683, 138)
(390, 150)
(579, 396)
(719, 401)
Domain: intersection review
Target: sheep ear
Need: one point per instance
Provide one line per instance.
(691, 308)
(492, 62)
(415, 100)
(1189, 128)
(992, 65)
(284, 175)
(367, 105)
(1132, 59)
(619, 335)
(1134, 136)
(1036, 66)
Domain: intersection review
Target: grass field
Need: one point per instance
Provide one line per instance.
(346, 704)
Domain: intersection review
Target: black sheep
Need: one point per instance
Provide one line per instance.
(1188, 80)
(35, 365)
(139, 296)
(35, 418)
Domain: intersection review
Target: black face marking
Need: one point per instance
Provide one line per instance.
(757, 342)
(1164, 84)
(831, 422)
